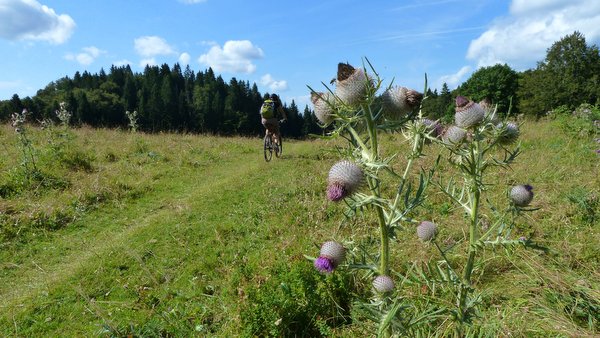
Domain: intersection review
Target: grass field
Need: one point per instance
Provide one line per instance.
(186, 235)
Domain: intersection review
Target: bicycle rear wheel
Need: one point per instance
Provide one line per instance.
(268, 147)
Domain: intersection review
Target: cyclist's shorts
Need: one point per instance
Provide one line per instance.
(271, 124)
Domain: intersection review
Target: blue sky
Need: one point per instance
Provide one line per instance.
(283, 46)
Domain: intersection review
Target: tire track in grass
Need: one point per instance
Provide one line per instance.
(38, 276)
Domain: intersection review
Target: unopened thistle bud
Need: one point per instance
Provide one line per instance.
(383, 284)
(331, 255)
(521, 195)
(399, 101)
(468, 113)
(426, 231)
(510, 134)
(344, 178)
(454, 135)
(323, 109)
(351, 85)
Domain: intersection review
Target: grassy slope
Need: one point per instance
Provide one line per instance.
(168, 231)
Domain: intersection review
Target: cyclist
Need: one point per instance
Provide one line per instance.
(271, 121)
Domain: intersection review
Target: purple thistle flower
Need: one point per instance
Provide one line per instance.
(324, 265)
(399, 101)
(322, 103)
(344, 178)
(332, 254)
(521, 195)
(336, 192)
(352, 90)
(454, 135)
(468, 113)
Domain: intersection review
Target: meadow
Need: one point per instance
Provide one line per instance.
(123, 233)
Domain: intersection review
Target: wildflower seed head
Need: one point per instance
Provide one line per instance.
(468, 113)
(383, 284)
(352, 90)
(323, 110)
(331, 255)
(510, 135)
(521, 195)
(454, 135)
(426, 231)
(344, 179)
(399, 101)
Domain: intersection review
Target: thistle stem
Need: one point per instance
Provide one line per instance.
(474, 200)
(384, 265)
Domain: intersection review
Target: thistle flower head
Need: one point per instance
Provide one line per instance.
(383, 284)
(399, 101)
(510, 134)
(468, 113)
(323, 110)
(454, 135)
(351, 85)
(331, 255)
(521, 195)
(433, 127)
(426, 231)
(344, 178)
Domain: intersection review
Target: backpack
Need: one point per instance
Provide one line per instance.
(267, 110)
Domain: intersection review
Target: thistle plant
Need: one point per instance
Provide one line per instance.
(59, 137)
(64, 116)
(28, 158)
(133, 120)
(476, 145)
(359, 109)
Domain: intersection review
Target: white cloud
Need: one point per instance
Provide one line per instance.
(453, 80)
(184, 59)
(234, 57)
(522, 38)
(30, 20)
(274, 85)
(87, 57)
(150, 46)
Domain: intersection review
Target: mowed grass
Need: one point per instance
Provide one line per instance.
(171, 235)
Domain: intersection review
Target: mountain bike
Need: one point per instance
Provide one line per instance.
(270, 146)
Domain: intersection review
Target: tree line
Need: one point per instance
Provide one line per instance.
(171, 99)
(166, 99)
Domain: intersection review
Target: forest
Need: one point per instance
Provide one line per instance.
(175, 99)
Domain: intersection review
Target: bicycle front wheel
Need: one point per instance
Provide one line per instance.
(268, 148)
(279, 146)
